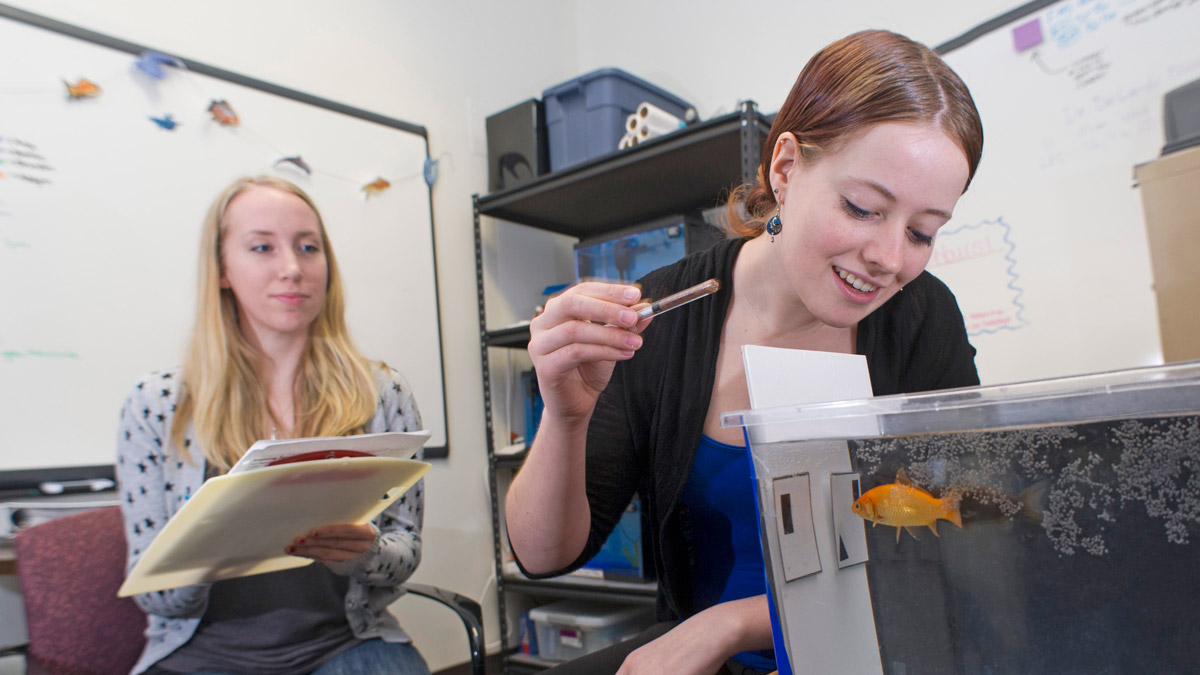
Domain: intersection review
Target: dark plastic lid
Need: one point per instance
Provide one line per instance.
(577, 83)
(1181, 117)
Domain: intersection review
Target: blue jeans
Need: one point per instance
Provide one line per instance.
(372, 657)
(377, 656)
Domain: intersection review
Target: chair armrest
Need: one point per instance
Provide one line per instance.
(33, 664)
(468, 611)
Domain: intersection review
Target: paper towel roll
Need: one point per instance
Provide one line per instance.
(631, 123)
(645, 132)
(627, 141)
(656, 119)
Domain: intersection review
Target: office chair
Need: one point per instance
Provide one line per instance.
(69, 570)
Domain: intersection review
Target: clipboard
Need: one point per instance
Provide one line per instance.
(238, 524)
(402, 444)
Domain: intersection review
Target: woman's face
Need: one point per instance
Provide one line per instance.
(273, 260)
(859, 223)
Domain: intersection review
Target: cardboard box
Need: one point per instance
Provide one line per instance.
(1170, 188)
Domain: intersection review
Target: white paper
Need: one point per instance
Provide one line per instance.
(399, 444)
(792, 377)
(657, 120)
(826, 618)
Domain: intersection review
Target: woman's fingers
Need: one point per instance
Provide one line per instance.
(333, 543)
(589, 322)
(592, 301)
(586, 335)
(328, 551)
(345, 530)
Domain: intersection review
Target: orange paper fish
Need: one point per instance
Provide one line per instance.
(375, 187)
(84, 88)
(223, 113)
(902, 504)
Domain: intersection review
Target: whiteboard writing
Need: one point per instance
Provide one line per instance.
(10, 355)
(979, 261)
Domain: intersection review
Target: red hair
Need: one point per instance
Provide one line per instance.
(864, 79)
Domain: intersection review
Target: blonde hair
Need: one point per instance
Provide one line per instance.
(223, 398)
(861, 80)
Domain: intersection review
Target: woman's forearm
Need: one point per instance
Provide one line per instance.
(546, 510)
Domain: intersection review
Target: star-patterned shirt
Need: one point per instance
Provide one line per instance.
(155, 483)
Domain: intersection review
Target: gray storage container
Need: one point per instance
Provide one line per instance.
(585, 117)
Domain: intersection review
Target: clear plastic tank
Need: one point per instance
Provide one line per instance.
(1079, 545)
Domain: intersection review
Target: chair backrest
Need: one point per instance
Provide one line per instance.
(69, 570)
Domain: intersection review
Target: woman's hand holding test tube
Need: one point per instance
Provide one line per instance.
(575, 342)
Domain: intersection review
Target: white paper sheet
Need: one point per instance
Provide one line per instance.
(400, 444)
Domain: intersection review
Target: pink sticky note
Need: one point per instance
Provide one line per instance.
(1028, 34)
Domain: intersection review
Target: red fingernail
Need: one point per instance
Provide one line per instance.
(291, 549)
(301, 541)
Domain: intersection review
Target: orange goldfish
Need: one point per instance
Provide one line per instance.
(375, 187)
(84, 88)
(902, 504)
(223, 113)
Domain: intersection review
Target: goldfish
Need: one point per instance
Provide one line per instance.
(375, 187)
(902, 504)
(223, 113)
(84, 88)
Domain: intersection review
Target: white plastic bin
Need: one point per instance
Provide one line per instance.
(571, 628)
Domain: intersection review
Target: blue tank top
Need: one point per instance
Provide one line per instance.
(723, 517)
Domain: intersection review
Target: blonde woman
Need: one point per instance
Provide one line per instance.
(269, 357)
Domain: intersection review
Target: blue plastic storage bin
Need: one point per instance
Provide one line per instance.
(585, 117)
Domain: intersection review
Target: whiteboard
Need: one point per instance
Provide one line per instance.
(100, 215)
(1047, 251)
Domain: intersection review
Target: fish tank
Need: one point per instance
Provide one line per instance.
(1039, 527)
(627, 255)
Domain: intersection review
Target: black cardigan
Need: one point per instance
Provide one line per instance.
(648, 422)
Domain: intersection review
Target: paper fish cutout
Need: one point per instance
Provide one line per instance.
(84, 88)
(902, 504)
(151, 63)
(166, 122)
(297, 161)
(223, 112)
(375, 187)
(430, 170)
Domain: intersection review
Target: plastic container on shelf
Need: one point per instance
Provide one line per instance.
(568, 629)
(585, 117)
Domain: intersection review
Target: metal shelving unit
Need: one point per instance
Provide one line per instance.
(685, 171)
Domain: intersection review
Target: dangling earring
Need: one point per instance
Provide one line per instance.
(774, 225)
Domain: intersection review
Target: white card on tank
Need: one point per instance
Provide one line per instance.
(849, 530)
(794, 521)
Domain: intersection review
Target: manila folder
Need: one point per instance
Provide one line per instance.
(239, 524)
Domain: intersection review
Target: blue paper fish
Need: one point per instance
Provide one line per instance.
(151, 63)
(303, 166)
(166, 122)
